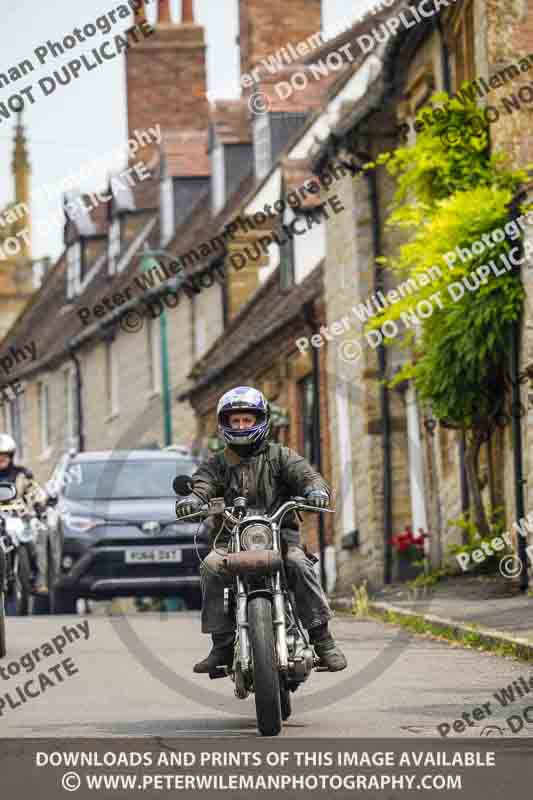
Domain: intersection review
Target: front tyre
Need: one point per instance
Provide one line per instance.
(285, 697)
(266, 676)
(19, 601)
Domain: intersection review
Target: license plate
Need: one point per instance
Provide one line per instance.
(153, 555)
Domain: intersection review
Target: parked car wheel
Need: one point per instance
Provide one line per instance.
(62, 602)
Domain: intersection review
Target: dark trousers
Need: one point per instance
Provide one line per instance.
(311, 602)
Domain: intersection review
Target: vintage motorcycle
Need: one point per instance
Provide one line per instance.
(272, 656)
(15, 570)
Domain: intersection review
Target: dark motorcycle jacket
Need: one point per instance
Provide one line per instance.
(268, 478)
(27, 487)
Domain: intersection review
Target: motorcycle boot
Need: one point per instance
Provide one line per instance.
(221, 654)
(329, 653)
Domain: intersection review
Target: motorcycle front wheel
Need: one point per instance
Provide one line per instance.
(266, 676)
(22, 586)
(285, 697)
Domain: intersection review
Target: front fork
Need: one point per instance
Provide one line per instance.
(278, 615)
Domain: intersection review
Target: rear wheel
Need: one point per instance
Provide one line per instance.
(266, 676)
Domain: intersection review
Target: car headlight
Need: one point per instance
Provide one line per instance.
(82, 524)
(257, 537)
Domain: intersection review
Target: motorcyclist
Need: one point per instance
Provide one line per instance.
(34, 499)
(268, 475)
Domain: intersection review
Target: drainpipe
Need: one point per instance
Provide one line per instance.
(165, 376)
(310, 319)
(384, 399)
(516, 422)
(79, 387)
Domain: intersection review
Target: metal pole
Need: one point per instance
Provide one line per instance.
(310, 319)
(384, 398)
(516, 424)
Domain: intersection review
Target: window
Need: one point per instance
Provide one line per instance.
(44, 416)
(113, 247)
(462, 45)
(14, 417)
(306, 388)
(154, 356)
(73, 269)
(218, 179)
(262, 146)
(111, 380)
(200, 336)
(70, 393)
(286, 269)
(167, 211)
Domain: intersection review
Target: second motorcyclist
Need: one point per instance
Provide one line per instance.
(34, 499)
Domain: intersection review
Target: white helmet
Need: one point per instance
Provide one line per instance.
(7, 444)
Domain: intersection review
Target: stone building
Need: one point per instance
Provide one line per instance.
(402, 467)
(99, 382)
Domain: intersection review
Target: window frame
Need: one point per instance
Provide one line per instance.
(114, 246)
(218, 178)
(43, 393)
(262, 133)
(308, 447)
(168, 210)
(72, 422)
(74, 269)
(461, 41)
(111, 381)
(14, 417)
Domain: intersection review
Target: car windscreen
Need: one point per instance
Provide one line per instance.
(121, 480)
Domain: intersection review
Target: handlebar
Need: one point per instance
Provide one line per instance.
(295, 504)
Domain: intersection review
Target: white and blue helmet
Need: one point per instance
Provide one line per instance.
(243, 398)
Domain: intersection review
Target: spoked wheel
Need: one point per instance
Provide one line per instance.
(266, 676)
(20, 598)
(285, 698)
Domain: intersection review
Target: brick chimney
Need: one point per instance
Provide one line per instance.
(166, 76)
(266, 27)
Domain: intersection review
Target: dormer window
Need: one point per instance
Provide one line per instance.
(218, 179)
(113, 247)
(73, 269)
(167, 211)
(262, 146)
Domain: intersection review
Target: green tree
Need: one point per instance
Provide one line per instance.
(450, 191)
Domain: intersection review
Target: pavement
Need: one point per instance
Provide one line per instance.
(491, 607)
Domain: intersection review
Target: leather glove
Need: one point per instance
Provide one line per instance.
(317, 498)
(187, 506)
